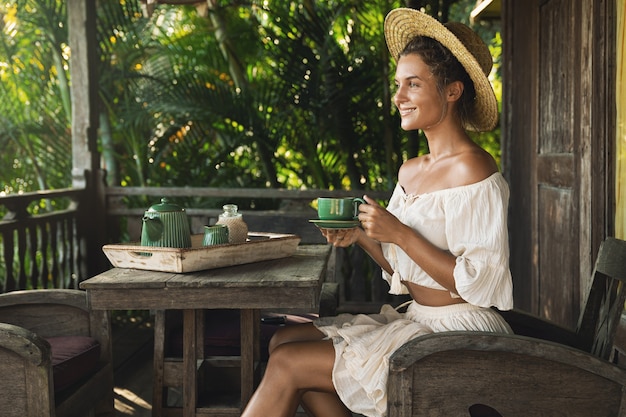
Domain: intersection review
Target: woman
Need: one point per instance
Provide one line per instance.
(442, 239)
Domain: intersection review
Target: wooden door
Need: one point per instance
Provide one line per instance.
(554, 150)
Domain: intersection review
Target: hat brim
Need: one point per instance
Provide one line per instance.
(403, 24)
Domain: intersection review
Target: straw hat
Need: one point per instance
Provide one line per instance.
(403, 24)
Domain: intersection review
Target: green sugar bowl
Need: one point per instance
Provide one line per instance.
(215, 235)
(166, 225)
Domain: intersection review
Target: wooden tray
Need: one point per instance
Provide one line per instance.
(259, 247)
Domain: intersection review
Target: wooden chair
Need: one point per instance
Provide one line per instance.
(543, 370)
(55, 356)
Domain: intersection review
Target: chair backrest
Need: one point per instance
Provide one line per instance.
(49, 312)
(603, 308)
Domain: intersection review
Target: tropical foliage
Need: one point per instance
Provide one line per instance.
(35, 112)
(272, 93)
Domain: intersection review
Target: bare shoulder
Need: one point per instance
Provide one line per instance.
(425, 174)
(473, 165)
(412, 168)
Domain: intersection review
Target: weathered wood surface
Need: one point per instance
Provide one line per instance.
(54, 313)
(25, 343)
(559, 121)
(36, 314)
(292, 282)
(288, 283)
(444, 374)
(44, 250)
(26, 374)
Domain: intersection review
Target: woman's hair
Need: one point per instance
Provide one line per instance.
(446, 69)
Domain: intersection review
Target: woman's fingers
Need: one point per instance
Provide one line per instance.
(339, 237)
(376, 221)
(370, 200)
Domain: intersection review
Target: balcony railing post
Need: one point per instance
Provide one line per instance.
(41, 250)
(92, 225)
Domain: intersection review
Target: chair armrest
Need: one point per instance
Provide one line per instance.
(430, 344)
(26, 368)
(447, 373)
(25, 344)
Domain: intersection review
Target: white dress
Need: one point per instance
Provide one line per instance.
(469, 221)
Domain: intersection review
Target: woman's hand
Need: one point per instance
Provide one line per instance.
(378, 223)
(374, 219)
(341, 238)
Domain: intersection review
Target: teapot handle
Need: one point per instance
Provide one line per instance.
(154, 227)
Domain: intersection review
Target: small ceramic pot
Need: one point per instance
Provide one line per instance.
(215, 235)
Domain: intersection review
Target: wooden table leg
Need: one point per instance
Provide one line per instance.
(190, 389)
(250, 324)
(200, 374)
(158, 363)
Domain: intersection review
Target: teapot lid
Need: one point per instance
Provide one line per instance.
(165, 206)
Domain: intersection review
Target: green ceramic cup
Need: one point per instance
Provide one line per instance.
(215, 235)
(338, 208)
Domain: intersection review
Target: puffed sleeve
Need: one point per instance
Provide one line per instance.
(477, 234)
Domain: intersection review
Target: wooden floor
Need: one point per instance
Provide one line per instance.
(132, 358)
(133, 391)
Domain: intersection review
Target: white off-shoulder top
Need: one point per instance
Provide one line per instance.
(470, 222)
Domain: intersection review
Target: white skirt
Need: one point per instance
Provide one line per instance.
(363, 344)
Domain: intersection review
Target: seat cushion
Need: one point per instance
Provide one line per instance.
(73, 358)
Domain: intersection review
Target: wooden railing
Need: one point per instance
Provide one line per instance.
(44, 250)
(49, 249)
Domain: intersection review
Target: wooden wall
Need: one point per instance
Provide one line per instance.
(558, 124)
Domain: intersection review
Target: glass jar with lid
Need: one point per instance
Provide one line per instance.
(237, 227)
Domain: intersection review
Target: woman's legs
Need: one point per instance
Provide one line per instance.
(315, 403)
(321, 404)
(299, 369)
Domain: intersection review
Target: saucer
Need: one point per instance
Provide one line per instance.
(336, 224)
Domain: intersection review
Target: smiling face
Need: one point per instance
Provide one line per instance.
(419, 100)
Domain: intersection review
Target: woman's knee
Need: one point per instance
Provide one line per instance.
(277, 339)
(282, 359)
(294, 333)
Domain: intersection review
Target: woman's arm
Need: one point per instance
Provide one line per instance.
(374, 250)
(381, 226)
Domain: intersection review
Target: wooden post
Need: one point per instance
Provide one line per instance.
(86, 172)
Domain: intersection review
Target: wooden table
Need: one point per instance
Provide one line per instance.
(287, 283)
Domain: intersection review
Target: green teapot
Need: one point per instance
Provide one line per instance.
(166, 225)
